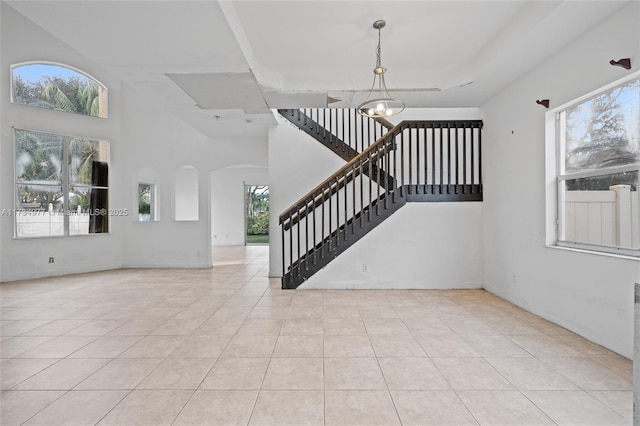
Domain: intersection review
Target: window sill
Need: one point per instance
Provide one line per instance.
(40, 237)
(594, 252)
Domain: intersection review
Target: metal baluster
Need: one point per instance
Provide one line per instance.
(433, 160)
(337, 138)
(306, 235)
(348, 136)
(464, 158)
(456, 158)
(441, 159)
(457, 161)
(395, 168)
(290, 244)
(361, 191)
(370, 185)
(402, 162)
(410, 135)
(330, 126)
(322, 234)
(346, 206)
(314, 228)
(298, 229)
(337, 211)
(284, 255)
(361, 119)
(473, 169)
(330, 215)
(448, 158)
(353, 198)
(343, 135)
(426, 157)
(386, 174)
(355, 130)
(479, 155)
(317, 120)
(324, 123)
(417, 133)
(378, 181)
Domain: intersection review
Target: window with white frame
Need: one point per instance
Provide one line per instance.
(597, 164)
(61, 185)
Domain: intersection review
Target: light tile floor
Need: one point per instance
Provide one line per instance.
(228, 346)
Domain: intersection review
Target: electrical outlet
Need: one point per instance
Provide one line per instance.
(51, 260)
(198, 253)
(364, 267)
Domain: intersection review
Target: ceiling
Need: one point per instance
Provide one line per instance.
(222, 65)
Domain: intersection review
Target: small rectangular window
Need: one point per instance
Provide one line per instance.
(146, 202)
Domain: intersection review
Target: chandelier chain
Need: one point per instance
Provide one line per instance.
(378, 51)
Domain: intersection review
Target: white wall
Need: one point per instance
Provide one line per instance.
(227, 202)
(421, 246)
(28, 258)
(587, 293)
(145, 140)
(297, 164)
(155, 140)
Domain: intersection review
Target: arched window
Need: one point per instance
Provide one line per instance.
(58, 87)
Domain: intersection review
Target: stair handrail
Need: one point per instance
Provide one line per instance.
(385, 123)
(311, 195)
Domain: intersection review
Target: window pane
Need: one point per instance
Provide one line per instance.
(87, 162)
(59, 88)
(39, 210)
(145, 202)
(604, 130)
(79, 210)
(602, 210)
(98, 211)
(38, 157)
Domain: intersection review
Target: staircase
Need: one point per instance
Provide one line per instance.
(343, 131)
(414, 161)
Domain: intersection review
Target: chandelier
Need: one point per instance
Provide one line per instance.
(379, 103)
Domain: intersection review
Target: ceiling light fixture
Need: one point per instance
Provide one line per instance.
(379, 103)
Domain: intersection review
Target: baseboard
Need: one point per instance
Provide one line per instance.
(592, 335)
(395, 285)
(167, 266)
(60, 273)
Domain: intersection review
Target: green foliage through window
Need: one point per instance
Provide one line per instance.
(257, 212)
(58, 88)
(42, 160)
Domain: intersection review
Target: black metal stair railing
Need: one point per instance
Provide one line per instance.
(415, 161)
(342, 130)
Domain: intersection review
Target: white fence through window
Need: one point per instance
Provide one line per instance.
(608, 218)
